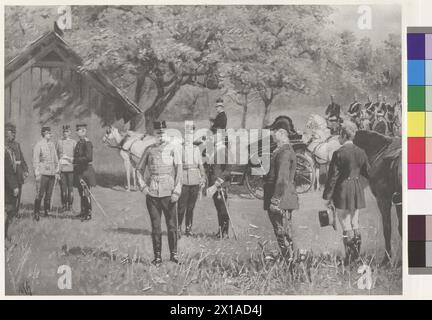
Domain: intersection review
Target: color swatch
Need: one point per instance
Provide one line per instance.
(419, 93)
(420, 244)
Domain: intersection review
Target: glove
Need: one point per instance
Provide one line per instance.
(174, 197)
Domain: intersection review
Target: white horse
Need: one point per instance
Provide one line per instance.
(131, 146)
(320, 143)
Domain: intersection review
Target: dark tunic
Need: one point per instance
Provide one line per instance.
(82, 160)
(279, 181)
(22, 167)
(380, 126)
(354, 109)
(220, 122)
(11, 181)
(333, 109)
(343, 185)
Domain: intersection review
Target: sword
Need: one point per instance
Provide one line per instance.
(229, 216)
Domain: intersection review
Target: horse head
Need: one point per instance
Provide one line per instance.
(111, 134)
(371, 142)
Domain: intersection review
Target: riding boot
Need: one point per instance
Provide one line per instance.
(157, 248)
(357, 243)
(36, 212)
(83, 203)
(47, 204)
(63, 201)
(348, 241)
(69, 202)
(157, 260)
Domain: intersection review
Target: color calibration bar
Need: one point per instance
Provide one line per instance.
(420, 244)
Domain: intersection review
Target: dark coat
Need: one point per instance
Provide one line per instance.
(279, 181)
(380, 126)
(82, 160)
(11, 182)
(220, 122)
(222, 171)
(333, 109)
(343, 185)
(22, 167)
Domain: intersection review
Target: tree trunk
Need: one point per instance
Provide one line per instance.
(265, 120)
(244, 115)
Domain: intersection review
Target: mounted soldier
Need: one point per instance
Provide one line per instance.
(20, 164)
(84, 174)
(162, 188)
(332, 115)
(354, 111)
(380, 123)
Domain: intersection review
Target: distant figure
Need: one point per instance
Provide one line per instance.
(332, 115)
(84, 174)
(380, 123)
(46, 169)
(220, 122)
(20, 164)
(65, 151)
(354, 111)
(344, 190)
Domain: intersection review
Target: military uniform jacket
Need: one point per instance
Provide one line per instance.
(218, 170)
(45, 160)
(66, 147)
(161, 165)
(82, 161)
(279, 181)
(220, 122)
(333, 109)
(11, 179)
(192, 166)
(21, 165)
(354, 109)
(343, 184)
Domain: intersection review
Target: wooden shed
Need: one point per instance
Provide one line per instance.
(44, 87)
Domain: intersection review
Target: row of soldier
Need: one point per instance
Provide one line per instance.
(380, 116)
(68, 162)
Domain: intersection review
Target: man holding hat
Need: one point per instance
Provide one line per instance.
(162, 187)
(65, 151)
(344, 190)
(14, 148)
(280, 195)
(220, 122)
(84, 174)
(46, 169)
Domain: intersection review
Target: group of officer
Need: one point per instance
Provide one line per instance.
(67, 161)
(379, 116)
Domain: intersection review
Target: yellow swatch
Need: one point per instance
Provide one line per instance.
(416, 124)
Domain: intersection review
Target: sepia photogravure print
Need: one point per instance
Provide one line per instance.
(203, 150)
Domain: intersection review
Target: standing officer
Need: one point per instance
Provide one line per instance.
(344, 190)
(220, 122)
(84, 174)
(14, 147)
(280, 195)
(46, 169)
(65, 151)
(162, 188)
(193, 179)
(11, 186)
(220, 177)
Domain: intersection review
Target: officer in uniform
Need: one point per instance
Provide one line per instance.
(162, 187)
(46, 169)
(354, 111)
(220, 122)
(65, 151)
(193, 180)
(11, 186)
(344, 190)
(84, 174)
(280, 195)
(14, 147)
(380, 124)
(332, 115)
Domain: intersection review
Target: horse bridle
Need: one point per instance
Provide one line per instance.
(107, 142)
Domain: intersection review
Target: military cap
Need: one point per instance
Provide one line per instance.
(82, 125)
(159, 125)
(333, 119)
(219, 102)
(45, 129)
(66, 128)
(280, 124)
(10, 127)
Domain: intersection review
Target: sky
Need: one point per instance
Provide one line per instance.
(385, 19)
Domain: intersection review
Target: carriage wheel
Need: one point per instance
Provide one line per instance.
(305, 173)
(255, 183)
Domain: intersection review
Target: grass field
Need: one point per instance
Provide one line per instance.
(111, 255)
